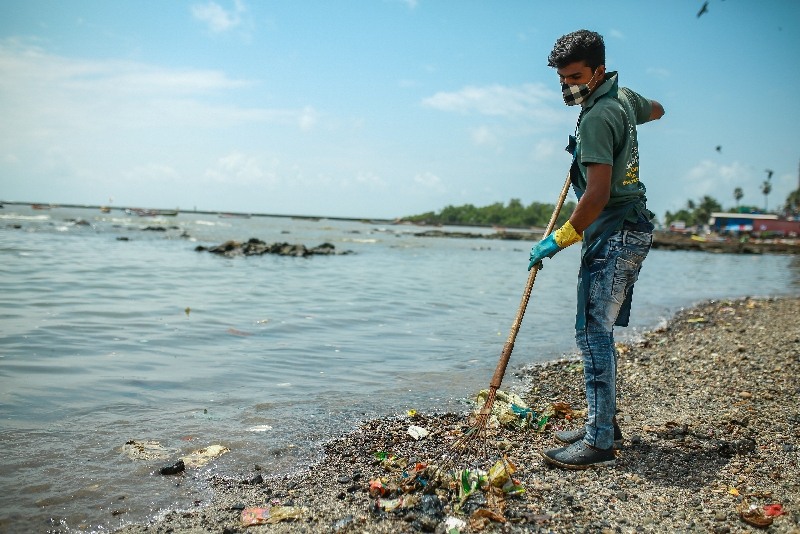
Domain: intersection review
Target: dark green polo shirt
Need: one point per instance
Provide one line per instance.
(607, 134)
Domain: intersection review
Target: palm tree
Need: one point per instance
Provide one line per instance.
(703, 211)
(738, 194)
(766, 188)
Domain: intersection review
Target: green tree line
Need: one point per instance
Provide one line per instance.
(513, 215)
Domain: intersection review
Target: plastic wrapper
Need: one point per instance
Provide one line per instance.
(273, 514)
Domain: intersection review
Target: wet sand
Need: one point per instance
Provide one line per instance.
(710, 412)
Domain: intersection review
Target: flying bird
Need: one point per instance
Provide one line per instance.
(769, 173)
(719, 148)
(703, 9)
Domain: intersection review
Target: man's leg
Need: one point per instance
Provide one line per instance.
(610, 285)
(600, 373)
(610, 278)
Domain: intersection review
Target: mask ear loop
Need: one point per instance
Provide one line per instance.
(592, 78)
(589, 83)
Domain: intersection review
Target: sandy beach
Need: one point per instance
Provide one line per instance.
(709, 409)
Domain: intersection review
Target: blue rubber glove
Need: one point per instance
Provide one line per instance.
(546, 248)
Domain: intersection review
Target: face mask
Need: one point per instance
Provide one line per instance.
(576, 94)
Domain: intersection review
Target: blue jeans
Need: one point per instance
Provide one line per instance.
(612, 275)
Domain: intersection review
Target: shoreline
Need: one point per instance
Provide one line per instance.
(661, 240)
(178, 211)
(710, 411)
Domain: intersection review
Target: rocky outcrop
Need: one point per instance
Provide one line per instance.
(672, 241)
(256, 247)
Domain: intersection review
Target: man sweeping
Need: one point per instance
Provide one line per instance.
(612, 220)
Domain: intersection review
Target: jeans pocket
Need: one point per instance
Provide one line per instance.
(638, 239)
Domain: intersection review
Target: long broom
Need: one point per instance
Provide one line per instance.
(476, 436)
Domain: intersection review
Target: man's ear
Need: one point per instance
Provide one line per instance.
(601, 72)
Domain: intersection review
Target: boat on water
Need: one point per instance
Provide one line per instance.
(40, 206)
(151, 213)
(105, 209)
(140, 212)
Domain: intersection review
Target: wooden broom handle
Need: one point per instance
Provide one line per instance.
(500, 371)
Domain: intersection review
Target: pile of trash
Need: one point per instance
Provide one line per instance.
(405, 487)
(510, 411)
(477, 497)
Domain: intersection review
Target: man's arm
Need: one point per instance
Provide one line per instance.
(592, 202)
(598, 191)
(656, 111)
(598, 185)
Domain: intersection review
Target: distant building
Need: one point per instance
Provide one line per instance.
(678, 226)
(754, 223)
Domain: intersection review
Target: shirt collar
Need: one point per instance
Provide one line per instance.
(609, 86)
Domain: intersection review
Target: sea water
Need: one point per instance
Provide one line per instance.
(113, 328)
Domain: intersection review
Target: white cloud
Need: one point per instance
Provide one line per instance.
(368, 178)
(116, 76)
(430, 181)
(307, 118)
(706, 176)
(719, 181)
(242, 169)
(44, 96)
(217, 17)
(151, 173)
(616, 34)
(529, 101)
(544, 150)
(482, 135)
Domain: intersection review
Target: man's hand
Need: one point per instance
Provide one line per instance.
(657, 111)
(547, 247)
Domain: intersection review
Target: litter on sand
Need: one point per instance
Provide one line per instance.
(201, 457)
(481, 517)
(754, 515)
(273, 514)
(510, 411)
(454, 525)
(145, 450)
(390, 505)
(773, 510)
(417, 432)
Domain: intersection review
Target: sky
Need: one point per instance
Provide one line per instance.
(380, 108)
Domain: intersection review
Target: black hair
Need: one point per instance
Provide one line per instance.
(582, 45)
